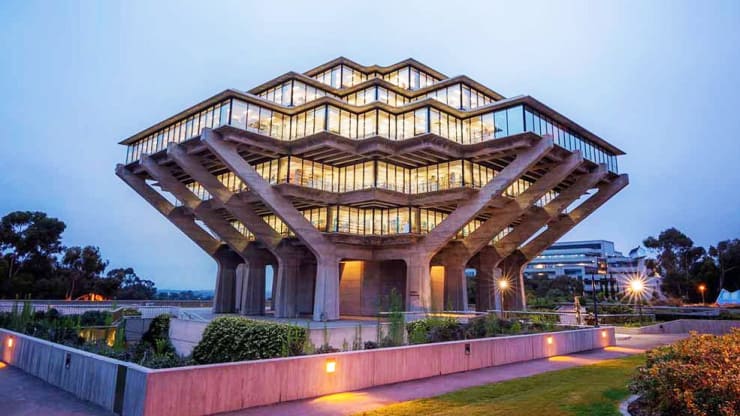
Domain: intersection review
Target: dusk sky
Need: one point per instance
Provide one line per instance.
(659, 79)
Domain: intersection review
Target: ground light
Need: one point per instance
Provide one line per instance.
(603, 333)
(331, 365)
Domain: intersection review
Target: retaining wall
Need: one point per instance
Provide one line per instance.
(684, 326)
(226, 387)
(115, 385)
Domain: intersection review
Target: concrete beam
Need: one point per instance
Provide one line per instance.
(230, 201)
(220, 226)
(466, 211)
(281, 207)
(565, 223)
(514, 209)
(177, 216)
(537, 217)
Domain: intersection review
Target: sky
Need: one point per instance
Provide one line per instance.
(659, 79)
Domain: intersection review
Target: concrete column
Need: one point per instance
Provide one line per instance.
(512, 269)
(418, 284)
(454, 258)
(224, 294)
(486, 277)
(253, 290)
(286, 282)
(326, 295)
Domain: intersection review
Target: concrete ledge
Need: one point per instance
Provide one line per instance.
(684, 326)
(216, 388)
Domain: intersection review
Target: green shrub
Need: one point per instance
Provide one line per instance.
(158, 329)
(233, 338)
(435, 329)
(96, 318)
(693, 377)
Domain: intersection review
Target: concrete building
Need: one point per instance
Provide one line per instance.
(579, 259)
(351, 181)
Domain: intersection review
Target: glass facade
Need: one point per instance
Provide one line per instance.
(255, 118)
(293, 93)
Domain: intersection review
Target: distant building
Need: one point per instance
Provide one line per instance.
(579, 259)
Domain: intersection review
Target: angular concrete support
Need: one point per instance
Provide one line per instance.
(466, 211)
(488, 273)
(220, 226)
(565, 223)
(537, 217)
(418, 284)
(183, 221)
(281, 207)
(231, 202)
(252, 294)
(454, 258)
(504, 216)
(224, 295)
(512, 269)
(326, 297)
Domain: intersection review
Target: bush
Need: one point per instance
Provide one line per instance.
(158, 329)
(693, 377)
(435, 329)
(233, 338)
(96, 318)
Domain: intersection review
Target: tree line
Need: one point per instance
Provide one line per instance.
(35, 263)
(683, 267)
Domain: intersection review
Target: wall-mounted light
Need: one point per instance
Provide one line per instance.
(603, 333)
(549, 340)
(10, 342)
(331, 365)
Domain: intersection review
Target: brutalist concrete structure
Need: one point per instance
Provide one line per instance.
(352, 181)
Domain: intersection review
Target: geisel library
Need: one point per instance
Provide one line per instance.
(351, 181)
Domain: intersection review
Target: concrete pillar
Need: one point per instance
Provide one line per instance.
(224, 294)
(456, 285)
(326, 295)
(286, 282)
(486, 277)
(253, 291)
(512, 269)
(418, 284)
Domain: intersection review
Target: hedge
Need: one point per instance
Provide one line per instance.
(696, 376)
(233, 338)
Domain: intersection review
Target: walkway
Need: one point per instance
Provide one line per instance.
(24, 395)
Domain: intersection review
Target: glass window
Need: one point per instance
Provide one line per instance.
(499, 119)
(515, 119)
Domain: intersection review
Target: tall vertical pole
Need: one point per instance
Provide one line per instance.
(596, 303)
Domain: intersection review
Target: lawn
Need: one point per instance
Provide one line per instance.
(592, 390)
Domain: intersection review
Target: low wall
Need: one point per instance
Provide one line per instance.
(129, 389)
(227, 387)
(135, 327)
(115, 385)
(684, 326)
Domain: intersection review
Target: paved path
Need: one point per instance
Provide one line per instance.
(24, 395)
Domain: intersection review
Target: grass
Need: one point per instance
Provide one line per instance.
(592, 390)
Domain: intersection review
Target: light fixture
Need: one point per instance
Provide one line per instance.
(637, 286)
(10, 342)
(603, 333)
(549, 340)
(503, 284)
(331, 365)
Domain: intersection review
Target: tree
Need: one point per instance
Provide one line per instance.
(676, 254)
(132, 286)
(727, 257)
(29, 242)
(81, 266)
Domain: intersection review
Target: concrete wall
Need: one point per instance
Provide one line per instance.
(228, 387)
(114, 385)
(135, 327)
(684, 326)
(134, 390)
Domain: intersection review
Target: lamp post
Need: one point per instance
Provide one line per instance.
(503, 284)
(637, 287)
(702, 288)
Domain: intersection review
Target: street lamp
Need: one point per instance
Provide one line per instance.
(503, 285)
(702, 288)
(637, 286)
